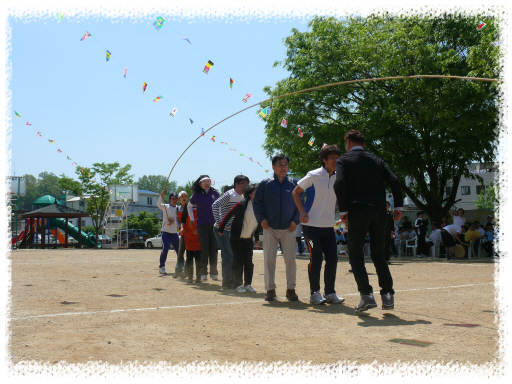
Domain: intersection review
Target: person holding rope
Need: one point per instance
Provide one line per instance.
(203, 198)
(169, 228)
(361, 197)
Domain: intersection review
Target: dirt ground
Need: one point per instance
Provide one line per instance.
(62, 309)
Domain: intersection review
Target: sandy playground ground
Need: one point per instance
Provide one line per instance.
(113, 306)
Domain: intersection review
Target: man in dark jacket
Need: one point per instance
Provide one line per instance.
(361, 195)
(277, 213)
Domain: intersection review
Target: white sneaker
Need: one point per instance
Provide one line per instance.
(241, 289)
(215, 277)
(204, 278)
(333, 298)
(162, 270)
(316, 298)
(250, 289)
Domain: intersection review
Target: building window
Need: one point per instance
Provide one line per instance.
(81, 203)
(480, 189)
(465, 191)
(150, 200)
(83, 223)
(448, 191)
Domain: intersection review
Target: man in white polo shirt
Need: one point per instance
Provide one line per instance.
(317, 218)
(449, 234)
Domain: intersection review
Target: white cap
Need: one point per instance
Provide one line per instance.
(181, 193)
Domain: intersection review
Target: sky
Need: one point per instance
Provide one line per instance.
(67, 91)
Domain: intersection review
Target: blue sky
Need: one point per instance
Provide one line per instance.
(67, 90)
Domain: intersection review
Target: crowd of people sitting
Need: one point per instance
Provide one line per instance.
(463, 232)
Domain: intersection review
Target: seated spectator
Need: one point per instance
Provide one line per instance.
(435, 235)
(490, 221)
(470, 235)
(488, 240)
(341, 240)
(444, 222)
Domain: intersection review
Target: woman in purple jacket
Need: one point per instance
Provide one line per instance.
(203, 198)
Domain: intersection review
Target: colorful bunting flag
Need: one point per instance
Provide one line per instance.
(265, 112)
(144, 85)
(51, 141)
(231, 81)
(323, 145)
(191, 121)
(69, 158)
(481, 25)
(39, 134)
(60, 16)
(86, 36)
(108, 55)
(174, 111)
(207, 67)
(81, 169)
(250, 158)
(28, 123)
(159, 23)
(284, 123)
(223, 142)
(213, 139)
(231, 149)
(73, 164)
(311, 141)
(185, 38)
(124, 72)
(58, 150)
(202, 131)
(300, 133)
(266, 170)
(259, 163)
(17, 114)
(240, 154)
(246, 97)
(157, 98)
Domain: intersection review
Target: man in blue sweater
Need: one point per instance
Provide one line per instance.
(277, 213)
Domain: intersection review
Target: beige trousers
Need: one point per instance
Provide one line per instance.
(270, 245)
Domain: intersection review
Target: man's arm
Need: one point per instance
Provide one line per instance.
(396, 189)
(217, 205)
(296, 194)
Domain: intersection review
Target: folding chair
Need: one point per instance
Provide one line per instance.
(411, 243)
(434, 250)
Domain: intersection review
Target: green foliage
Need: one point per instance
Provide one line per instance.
(426, 129)
(46, 184)
(156, 183)
(488, 198)
(151, 223)
(89, 228)
(88, 186)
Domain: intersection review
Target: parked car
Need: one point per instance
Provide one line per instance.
(104, 240)
(154, 242)
(133, 238)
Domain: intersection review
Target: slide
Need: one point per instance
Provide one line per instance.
(60, 237)
(88, 239)
(20, 237)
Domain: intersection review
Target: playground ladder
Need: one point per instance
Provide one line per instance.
(113, 223)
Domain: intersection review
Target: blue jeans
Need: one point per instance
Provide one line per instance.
(228, 274)
(167, 239)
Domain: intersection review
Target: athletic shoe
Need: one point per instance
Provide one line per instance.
(204, 278)
(333, 298)
(250, 289)
(316, 298)
(387, 301)
(241, 289)
(367, 302)
(162, 270)
(215, 277)
(271, 295)
(291, 295)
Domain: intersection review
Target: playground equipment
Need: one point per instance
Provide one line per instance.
(116, 213)
(16, 187)
(54, 227)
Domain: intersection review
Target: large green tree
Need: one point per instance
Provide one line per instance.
(156, 183)
(96, 195)
(488, 198)
(150, 222)
(46, 183)
(427, 130)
